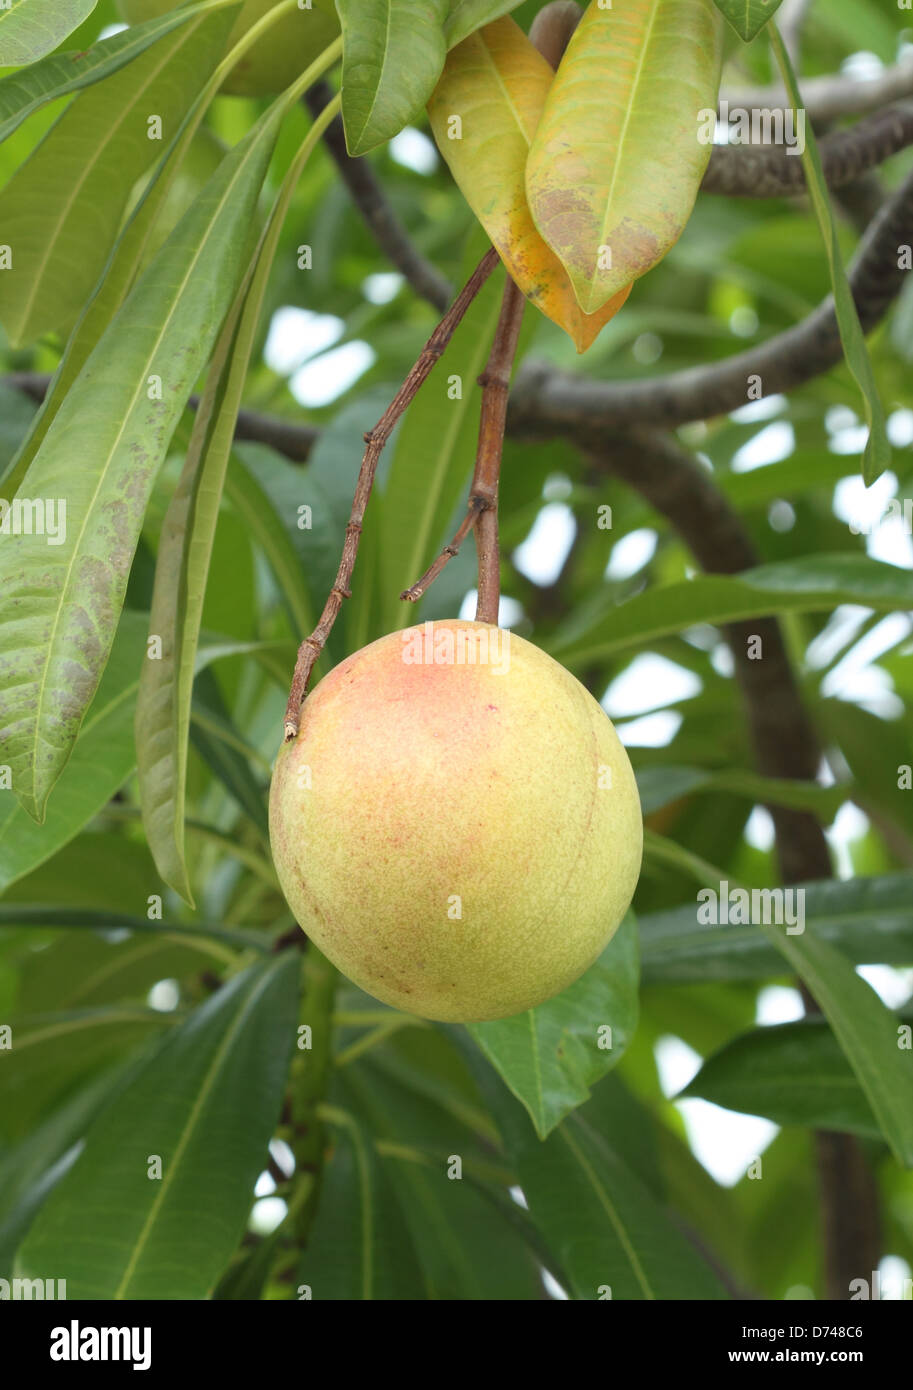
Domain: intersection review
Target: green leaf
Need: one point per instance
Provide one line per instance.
(59, 74)
(466, 16)
(53, 1054)
(877, 453)
(32, 1168)
(748, 17)
(83, 970)
(206, 1104)
(31, 28)
(97, 868)
(618, 155)
(433, 458)
(866, 1030)
(393, 52)
(807, 584)
(133, 249)
(185, 550)
(102, 453)
(103, 758)
(62, 209)
(16, 415)
(271, 527)
(875, 751)
(551, 1056)
(791, 1073)
(97, 919)
(359, 1247)
(466, 1250)
(663, 784)
(231, 767)
(870, 920)
(611, 1236)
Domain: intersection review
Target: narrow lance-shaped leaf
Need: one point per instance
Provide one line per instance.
(876, 456)
(875, 1046)
(605, 1227)
(31, 28)
(101, 456)
(791, 1073)
(163, 706)
(59, 74)
(865, 1028)
(392, 56)
(748, 17)
(484, 113)
(870, 920)
(62, 209)
(623, 142)
(359, 1247)
(206, 1104)
(801, 585)
(133, 244)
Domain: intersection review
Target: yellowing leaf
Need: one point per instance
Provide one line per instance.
(484, 113)
(618, 157)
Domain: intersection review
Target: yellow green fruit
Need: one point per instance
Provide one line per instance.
(274, 61)
(456, 824)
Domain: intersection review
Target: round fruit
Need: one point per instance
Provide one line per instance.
(274, 62)
(201, 161)
(456, 824)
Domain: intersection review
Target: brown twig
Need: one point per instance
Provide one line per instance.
(482, 507)
(829, 97)
(415, 591)
(375, 439)
(495, 384)
(771, 171)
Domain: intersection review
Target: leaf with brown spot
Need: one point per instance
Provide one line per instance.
(62, 600)
(617, 158)
(496, 82)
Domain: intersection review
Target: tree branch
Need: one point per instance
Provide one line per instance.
(382, 222)
(828, 98)
(561, 403)
(768, 171)
(288, 437)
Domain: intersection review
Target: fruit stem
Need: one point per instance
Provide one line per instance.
(375, 439)
(483, 494)
(482, 507)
